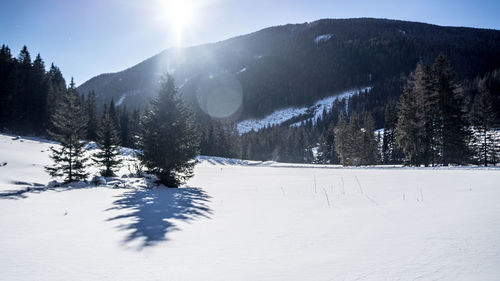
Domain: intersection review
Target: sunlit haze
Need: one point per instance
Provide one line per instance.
(87, 38)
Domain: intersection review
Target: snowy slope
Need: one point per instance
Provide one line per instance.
(283, 115)
(240, 220)
(323, 38)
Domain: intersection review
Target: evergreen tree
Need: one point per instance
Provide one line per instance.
(326, 149)
(369, 145)
(454, 132)
(24, 91)
(69, 121)
(109, 142)
(409, 128)
(169, 140)
(428, 112)
(57, 89)
(134, 127)
(37, 112)
(341, 141)
(124, 127)
(92, 119)
(483, 118)
(390, 152)
(354, 141)
(6, 86)
(113, 114)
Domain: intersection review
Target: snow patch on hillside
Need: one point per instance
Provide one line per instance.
(283, 115)
(242, 70)
(323, 38)
(120, 101)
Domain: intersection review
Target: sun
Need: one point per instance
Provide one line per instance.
(179, 13)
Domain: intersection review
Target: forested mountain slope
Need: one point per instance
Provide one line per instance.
(297, 64)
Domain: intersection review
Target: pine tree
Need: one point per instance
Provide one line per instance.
(354, 141)
(69, 122)
(92, 119)
(326, 150)
(124, 127)
(369, 145)
(409, 128)
(37, 113)
(390, 152)
(109, 143)
(134, 128)
(6, 86)
(57, 89)
(454, 132)
(483, 118)
(24, 91)
(169, 140)
(113, 114)
(341, 140)
(428, 113)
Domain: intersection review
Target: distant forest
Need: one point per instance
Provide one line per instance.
(429, 117)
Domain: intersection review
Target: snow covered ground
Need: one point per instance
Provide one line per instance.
(283, 115)
(246, 220)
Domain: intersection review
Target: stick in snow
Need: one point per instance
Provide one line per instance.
(360, 188)
(343, 189)
(315, 190)
(326, 195)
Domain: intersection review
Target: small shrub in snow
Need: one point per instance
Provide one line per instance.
(54, 183)
(98, 180)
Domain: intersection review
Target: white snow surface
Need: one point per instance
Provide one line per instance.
(323, 38)
(283, 115)
(248, 220)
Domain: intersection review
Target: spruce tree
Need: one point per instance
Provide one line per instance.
(169, 140)
(483, 118)
(124, 127)
(24, 91)
(409, 128)
(69, 122)
(428, 113)
(113, 114)
(92, 119)
(390, 152)
(354, 141)
(454, 126)
(326, 149)
(108, 140)
(341, 140)
(57, 89)
(369, 145)
(38, 99)
(6, 86)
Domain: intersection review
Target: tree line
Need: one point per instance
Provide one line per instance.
(428, 118)
(434, 120)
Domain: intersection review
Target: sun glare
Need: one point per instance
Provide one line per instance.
(179, 13)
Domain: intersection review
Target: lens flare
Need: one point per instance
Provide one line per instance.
(220, 95)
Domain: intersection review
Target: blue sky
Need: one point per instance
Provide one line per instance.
(89, 37)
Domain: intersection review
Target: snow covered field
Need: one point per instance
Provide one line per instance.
(244, 220)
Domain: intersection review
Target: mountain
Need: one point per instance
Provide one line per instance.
(253, 75)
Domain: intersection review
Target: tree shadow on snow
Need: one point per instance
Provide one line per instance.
(151, 212)
(36, 188)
